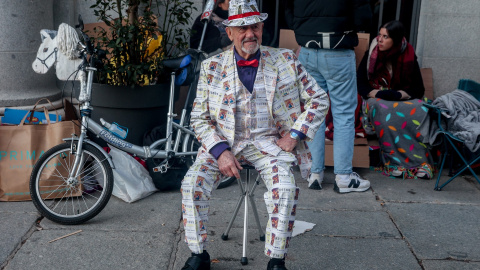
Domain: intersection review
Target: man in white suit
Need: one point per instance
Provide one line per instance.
(248, 112)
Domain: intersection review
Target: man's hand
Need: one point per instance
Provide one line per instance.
(404, 94)
(228, 164)
(287, 144)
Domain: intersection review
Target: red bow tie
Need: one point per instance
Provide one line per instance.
(244, 63)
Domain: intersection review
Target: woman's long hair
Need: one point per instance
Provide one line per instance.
(401, 56)
(395, 30)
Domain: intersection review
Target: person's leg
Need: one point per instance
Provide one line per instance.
(309, 59)
(280, 199)
(317, 149)
(338, 67)
(199, 182)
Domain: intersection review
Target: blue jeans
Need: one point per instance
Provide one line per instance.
(334, 71)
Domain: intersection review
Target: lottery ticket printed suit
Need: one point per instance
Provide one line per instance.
(218, 106)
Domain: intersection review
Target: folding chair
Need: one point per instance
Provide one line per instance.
(470, 86)
(246, 191)
(451, 139)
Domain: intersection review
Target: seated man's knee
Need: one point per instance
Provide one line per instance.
(194, 186)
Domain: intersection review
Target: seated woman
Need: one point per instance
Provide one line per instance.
(216, 38)
(390, 82)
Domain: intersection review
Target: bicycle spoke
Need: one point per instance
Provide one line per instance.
(54, 191)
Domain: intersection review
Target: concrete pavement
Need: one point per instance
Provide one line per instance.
(398, 224)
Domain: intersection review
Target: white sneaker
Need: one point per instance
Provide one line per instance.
(315, 181)
(353, 183)
(396, 173)
(424, 172)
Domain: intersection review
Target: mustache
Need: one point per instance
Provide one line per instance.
(249, 39)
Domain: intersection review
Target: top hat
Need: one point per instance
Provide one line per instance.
(244, 12)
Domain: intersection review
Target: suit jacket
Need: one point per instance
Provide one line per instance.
(287, 85)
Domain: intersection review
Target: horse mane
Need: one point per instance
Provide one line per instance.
(67, 40)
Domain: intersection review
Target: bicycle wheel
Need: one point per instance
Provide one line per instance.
(71, 201)
(194, 145)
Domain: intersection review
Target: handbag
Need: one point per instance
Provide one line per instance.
(23, 145)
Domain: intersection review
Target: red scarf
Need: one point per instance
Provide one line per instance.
(402, 58)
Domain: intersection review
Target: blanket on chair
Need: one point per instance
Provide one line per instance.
(463, 119)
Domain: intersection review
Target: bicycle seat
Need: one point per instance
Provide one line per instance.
(178, 62)
(197, 56)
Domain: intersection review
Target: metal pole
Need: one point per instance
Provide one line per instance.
(244, 259)
(205, 23)
(414, 24)
(399, 6)
(380, 14)
(170, 114)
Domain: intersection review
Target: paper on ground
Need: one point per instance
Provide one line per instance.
(302, 226)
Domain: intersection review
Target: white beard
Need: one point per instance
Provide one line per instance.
(253, 50)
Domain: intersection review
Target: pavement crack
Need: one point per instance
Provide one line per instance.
(434, 202)
(35, 227)
(176, 244)
(409, 245)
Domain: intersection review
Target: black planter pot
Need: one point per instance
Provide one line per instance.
(139, 108)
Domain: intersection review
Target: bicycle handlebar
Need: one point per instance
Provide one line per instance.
(88, 42)
(96, 55)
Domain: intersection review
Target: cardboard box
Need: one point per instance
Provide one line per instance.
(427, 76)
(287, 40)
(361, 158)
(362, 47)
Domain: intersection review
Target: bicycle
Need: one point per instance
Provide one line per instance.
(72, 182)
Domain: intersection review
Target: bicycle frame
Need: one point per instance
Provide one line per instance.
(89, 124)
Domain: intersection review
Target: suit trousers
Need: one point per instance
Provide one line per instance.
(280, 198)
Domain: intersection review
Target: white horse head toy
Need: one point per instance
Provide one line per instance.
(58, 49)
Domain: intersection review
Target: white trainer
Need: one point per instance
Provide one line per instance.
(315, 181)
(396, 173)
(353, 183)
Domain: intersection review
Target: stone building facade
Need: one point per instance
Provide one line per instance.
(448, 41)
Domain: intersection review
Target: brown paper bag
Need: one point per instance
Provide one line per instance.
(21, 146)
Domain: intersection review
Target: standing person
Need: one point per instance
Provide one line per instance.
(390, 81)
(216, 38)
(247, 111)
(326, 32)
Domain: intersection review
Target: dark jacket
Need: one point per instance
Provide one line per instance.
(416, 89)
(341, 18)
(214, 38)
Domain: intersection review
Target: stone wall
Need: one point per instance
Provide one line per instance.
(449, 42)
(21, 22)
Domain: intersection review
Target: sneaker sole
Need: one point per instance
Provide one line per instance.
(348, 190)
(315, 186)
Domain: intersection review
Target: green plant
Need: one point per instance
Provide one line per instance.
(138, 35)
